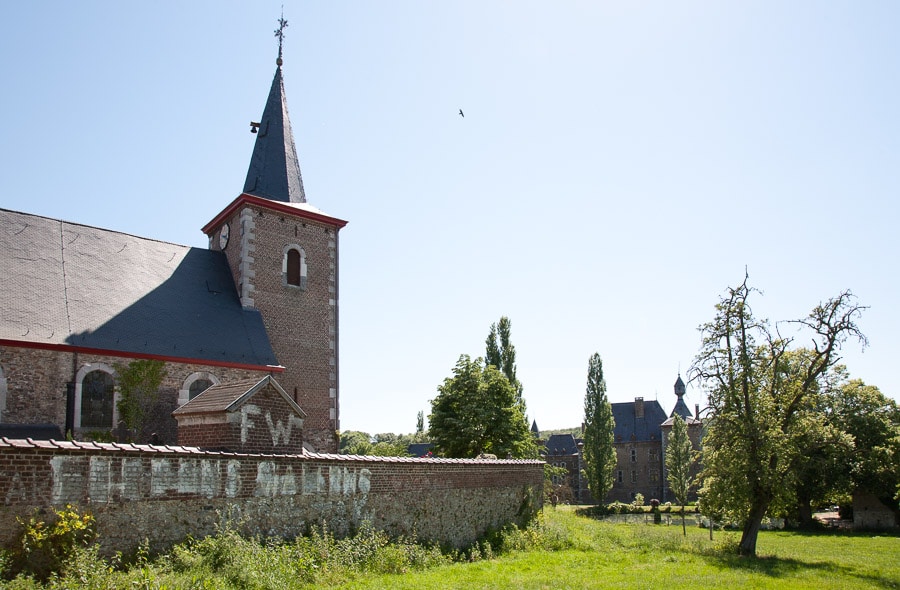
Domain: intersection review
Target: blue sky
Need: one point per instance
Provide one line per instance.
(619, 165)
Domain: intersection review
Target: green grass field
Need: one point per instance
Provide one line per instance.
(647, 556)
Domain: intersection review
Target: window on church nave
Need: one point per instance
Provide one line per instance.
(97, 400)
(294, 267)
(198, 387)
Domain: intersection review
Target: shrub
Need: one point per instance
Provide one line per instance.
(45, 547)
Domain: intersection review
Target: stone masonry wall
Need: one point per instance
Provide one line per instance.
(164, 494)
(37, 379)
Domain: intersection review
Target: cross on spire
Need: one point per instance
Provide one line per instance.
(279, 32)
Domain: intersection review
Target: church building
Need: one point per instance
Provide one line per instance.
(81, 304)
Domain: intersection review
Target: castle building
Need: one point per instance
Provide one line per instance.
(79, 304)
(695, 433)
(640, 435)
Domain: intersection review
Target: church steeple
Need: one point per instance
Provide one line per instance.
(274, 171)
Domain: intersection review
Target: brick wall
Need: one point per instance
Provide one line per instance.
(302, 324)
(164, 494)
(265, 423)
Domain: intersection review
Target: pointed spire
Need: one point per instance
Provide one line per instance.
(274, 171)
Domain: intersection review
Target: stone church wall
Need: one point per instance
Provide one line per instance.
(37, 380)
(164, 494)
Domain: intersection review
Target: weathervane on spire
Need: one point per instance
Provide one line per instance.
(279, 32)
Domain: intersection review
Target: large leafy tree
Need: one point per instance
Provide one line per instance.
(500, 352)
(477, 411)
(761, 394)
(679, 459)
(354, 442)
(872, 421)
(823, 474)
(599, 438)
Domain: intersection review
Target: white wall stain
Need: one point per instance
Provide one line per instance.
(232, 478)
(17, 491)
(162, 477)
(281, 432)
(107, 479)
(247, 410)
(68, 479)
(99, 479)
(313, 481)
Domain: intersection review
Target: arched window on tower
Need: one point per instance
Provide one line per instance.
(294, 267)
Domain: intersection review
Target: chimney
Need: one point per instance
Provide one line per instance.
(697, 411)
(638, 407)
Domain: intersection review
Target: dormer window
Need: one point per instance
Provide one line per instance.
(294, 267)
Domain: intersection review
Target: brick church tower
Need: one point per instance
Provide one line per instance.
(283, 255)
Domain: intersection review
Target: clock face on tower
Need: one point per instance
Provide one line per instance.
(223, 236)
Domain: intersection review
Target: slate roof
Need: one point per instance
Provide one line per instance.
(227, 397)
(274, 171)
(628, 424)
(681, 409)
(561, 444)
(32, 431)
(66, 284)
(689, 420)
(419, 449)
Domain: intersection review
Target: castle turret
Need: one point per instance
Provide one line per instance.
(680, 408)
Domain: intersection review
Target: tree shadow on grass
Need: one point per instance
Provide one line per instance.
(780, 567)
(836, 532)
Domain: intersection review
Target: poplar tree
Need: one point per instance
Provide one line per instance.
(679, 458)
(599, 449)
(502, 353)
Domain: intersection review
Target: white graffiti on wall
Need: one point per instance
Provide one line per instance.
(103, 479)
(278, 430)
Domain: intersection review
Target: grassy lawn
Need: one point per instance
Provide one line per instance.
(565, 551)
(645, 556)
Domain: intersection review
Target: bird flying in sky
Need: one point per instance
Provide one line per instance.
(461, 114)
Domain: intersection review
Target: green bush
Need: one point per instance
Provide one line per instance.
(45, 547)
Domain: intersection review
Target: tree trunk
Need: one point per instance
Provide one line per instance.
(804, 514)
(747, 546)
(683, 526)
